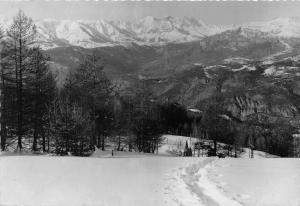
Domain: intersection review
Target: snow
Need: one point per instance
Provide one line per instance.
(224, 116)
(101, 32)
(281, 70)
(214, 67)
(245, 67)
(148, 31)
(195, 110)
(270, 71)
(259, 182)
(279, 27)
(120, 154)
(169, 181)
(211, 191)
(133, 178)
(171, 29)
(174, 145)
(237, 60)
(43, 181)
(198, 64)
(268, 61)
(256, 154)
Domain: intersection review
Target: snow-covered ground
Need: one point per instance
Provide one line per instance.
(169, 181)
(258, 182)
(64, 181)
(139, 179)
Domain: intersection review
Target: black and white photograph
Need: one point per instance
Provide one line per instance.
(149, 103)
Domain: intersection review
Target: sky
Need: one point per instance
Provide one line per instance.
(217, 12)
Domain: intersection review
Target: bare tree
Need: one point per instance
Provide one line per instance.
(41, 85)
(21, 35)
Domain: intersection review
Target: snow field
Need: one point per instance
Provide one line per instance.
(168, 181)
(135, 179)
(258, 182)
(64, 181)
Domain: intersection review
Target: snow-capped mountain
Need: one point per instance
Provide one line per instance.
(88, 34)
(147, 31)
(97, 33)
(150, 30)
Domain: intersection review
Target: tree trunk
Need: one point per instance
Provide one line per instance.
(67, 144)
(3, 117)
(35, 137)
(130, 144)
(215, 148)
(48, 142)
(98, 141)
(37, 102)
(44, 140)
(102, 142)
(35, 128)
(119, 143)
(20, 98)
(3, 136)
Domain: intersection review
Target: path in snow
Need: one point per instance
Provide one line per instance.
(191, 186)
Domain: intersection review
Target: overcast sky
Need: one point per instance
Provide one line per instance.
(209, 12)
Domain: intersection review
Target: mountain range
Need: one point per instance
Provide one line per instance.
(150, 31)
(54, 33)
(99, 33)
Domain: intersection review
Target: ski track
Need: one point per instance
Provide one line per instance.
(191, 186)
